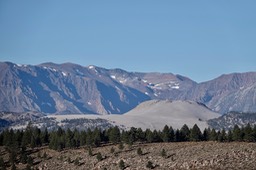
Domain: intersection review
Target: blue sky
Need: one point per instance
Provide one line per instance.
(199, 39)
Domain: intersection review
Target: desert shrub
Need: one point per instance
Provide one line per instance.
(23, 158)
(30, 161)
(45, 155)
(99, 156)
(13, 167)
(90, 151)
(121, 164)
(121, 146)
(163, 153)
(76, 162)
(139, 151)
(38, 154)
(2, 165)
(112, 150)
(150, 165)
(69, 160)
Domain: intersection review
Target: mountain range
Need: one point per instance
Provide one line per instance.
(70, 88)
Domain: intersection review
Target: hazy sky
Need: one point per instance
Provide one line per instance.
(198, 39)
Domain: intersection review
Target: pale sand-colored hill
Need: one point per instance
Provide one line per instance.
(155, 114)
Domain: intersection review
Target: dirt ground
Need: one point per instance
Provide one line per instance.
(182, 155)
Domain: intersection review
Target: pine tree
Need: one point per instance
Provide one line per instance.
(172, 134)
(141, 136)
(1, 139)
(132, 135)
(105, 138)
(125, 137)
(45, 136)
(248, 133)
(26, 139)
(185, 133)
(168, 134)
(156, 136)
(10, 140)
(83, 138)
(69, 135)
(237, 134)
(254, 133)
(35, 137)
(195, 134)
(149, 136)
(213, 135)
(57, 141)
(60, 131)
(97, 137)
(177, 136)
(6, 137)
(89, 137)
(222, 136)
(76, 139)
(114, 135)
(18, 138)
(206, 134)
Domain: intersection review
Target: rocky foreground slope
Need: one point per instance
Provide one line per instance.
(184, 155)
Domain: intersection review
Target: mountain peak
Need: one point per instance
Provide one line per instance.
(72, 88)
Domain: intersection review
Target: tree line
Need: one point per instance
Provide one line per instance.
(60, 139)
(20, 143)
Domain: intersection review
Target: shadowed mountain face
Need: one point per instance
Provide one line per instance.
(233, 92)
(70, 88)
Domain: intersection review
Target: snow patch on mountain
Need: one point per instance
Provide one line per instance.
(79, 72)
(91, 67)
(64, 74)
(113, 77)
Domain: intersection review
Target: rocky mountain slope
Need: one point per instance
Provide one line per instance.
(70, 88)
(232, 92)
(227, 121)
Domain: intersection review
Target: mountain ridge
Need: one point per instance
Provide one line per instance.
(72, 88)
